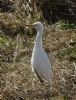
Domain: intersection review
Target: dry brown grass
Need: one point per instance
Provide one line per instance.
(17, 79)
(17, 82)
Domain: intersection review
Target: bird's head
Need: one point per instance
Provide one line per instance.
(37, 25)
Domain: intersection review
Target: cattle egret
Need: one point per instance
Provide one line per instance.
(39, 61)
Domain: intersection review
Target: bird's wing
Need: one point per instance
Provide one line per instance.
(42, 65)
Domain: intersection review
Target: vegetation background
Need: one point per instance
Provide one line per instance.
(17, 82)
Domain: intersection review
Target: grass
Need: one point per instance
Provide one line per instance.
(62, 25)
(17, 79)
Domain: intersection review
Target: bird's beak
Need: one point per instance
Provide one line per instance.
(30, 25)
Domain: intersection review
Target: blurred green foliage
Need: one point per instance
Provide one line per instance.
(5, 41)
(69, 52)
(62, 25)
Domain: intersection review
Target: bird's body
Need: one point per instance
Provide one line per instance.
(39, 61)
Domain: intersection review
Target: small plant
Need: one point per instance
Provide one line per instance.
(62, 25)
(68, 52)
(3, 40)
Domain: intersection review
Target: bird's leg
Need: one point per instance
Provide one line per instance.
(40, 79)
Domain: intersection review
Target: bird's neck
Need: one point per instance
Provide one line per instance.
(39, 38)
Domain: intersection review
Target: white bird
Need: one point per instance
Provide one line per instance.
(39, 61)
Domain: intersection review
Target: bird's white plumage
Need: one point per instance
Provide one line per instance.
(39, 61)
